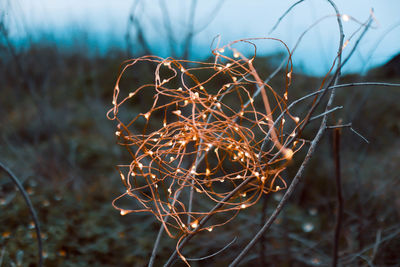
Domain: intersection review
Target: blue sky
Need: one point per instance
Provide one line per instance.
(105, 23)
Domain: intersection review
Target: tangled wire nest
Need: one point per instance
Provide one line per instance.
(202, 136)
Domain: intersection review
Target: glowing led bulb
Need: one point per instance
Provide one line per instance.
(289, 75)
(296, 119)
(177, 112)
(117, 133)
(151, 152)
(251, 100)
(156, 185)
(345, 44)
(207, 171)
(243, 206)
(209, 229)
(194, 224)
(236, 54)
(345, 17)
(153, 176)
(277, 188)
(123, 212)
(228, 65)
(131, 94)
(218, 105)
(263, 179)
(193, 170)
(183, 142)
(140, 165)
(169, 191)
(221, 50)
(234, 79)
(256, 174)
(167, 63)
(201, 87)
(164, 81)
(179, 89)
(239, 176)
(147, 115)
(204, 116)
(283, 121)
(185, 102)
(244, 194)
(182, 69)
(285, 96)
(288, 153)
(133, 174)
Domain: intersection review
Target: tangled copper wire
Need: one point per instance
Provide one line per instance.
(199, 137)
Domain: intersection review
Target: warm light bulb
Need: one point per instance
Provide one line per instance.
(194, 224)
(288, 153)
(123, 212)
(177, 112)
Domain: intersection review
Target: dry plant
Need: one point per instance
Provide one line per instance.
(216, 137)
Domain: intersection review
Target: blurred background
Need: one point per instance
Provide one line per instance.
(59, 61)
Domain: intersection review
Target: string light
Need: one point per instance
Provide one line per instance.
(232, 133)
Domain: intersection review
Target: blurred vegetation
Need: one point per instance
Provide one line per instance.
(55, 137)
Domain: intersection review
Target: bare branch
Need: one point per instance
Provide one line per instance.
(16, 181)
(214, 254)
